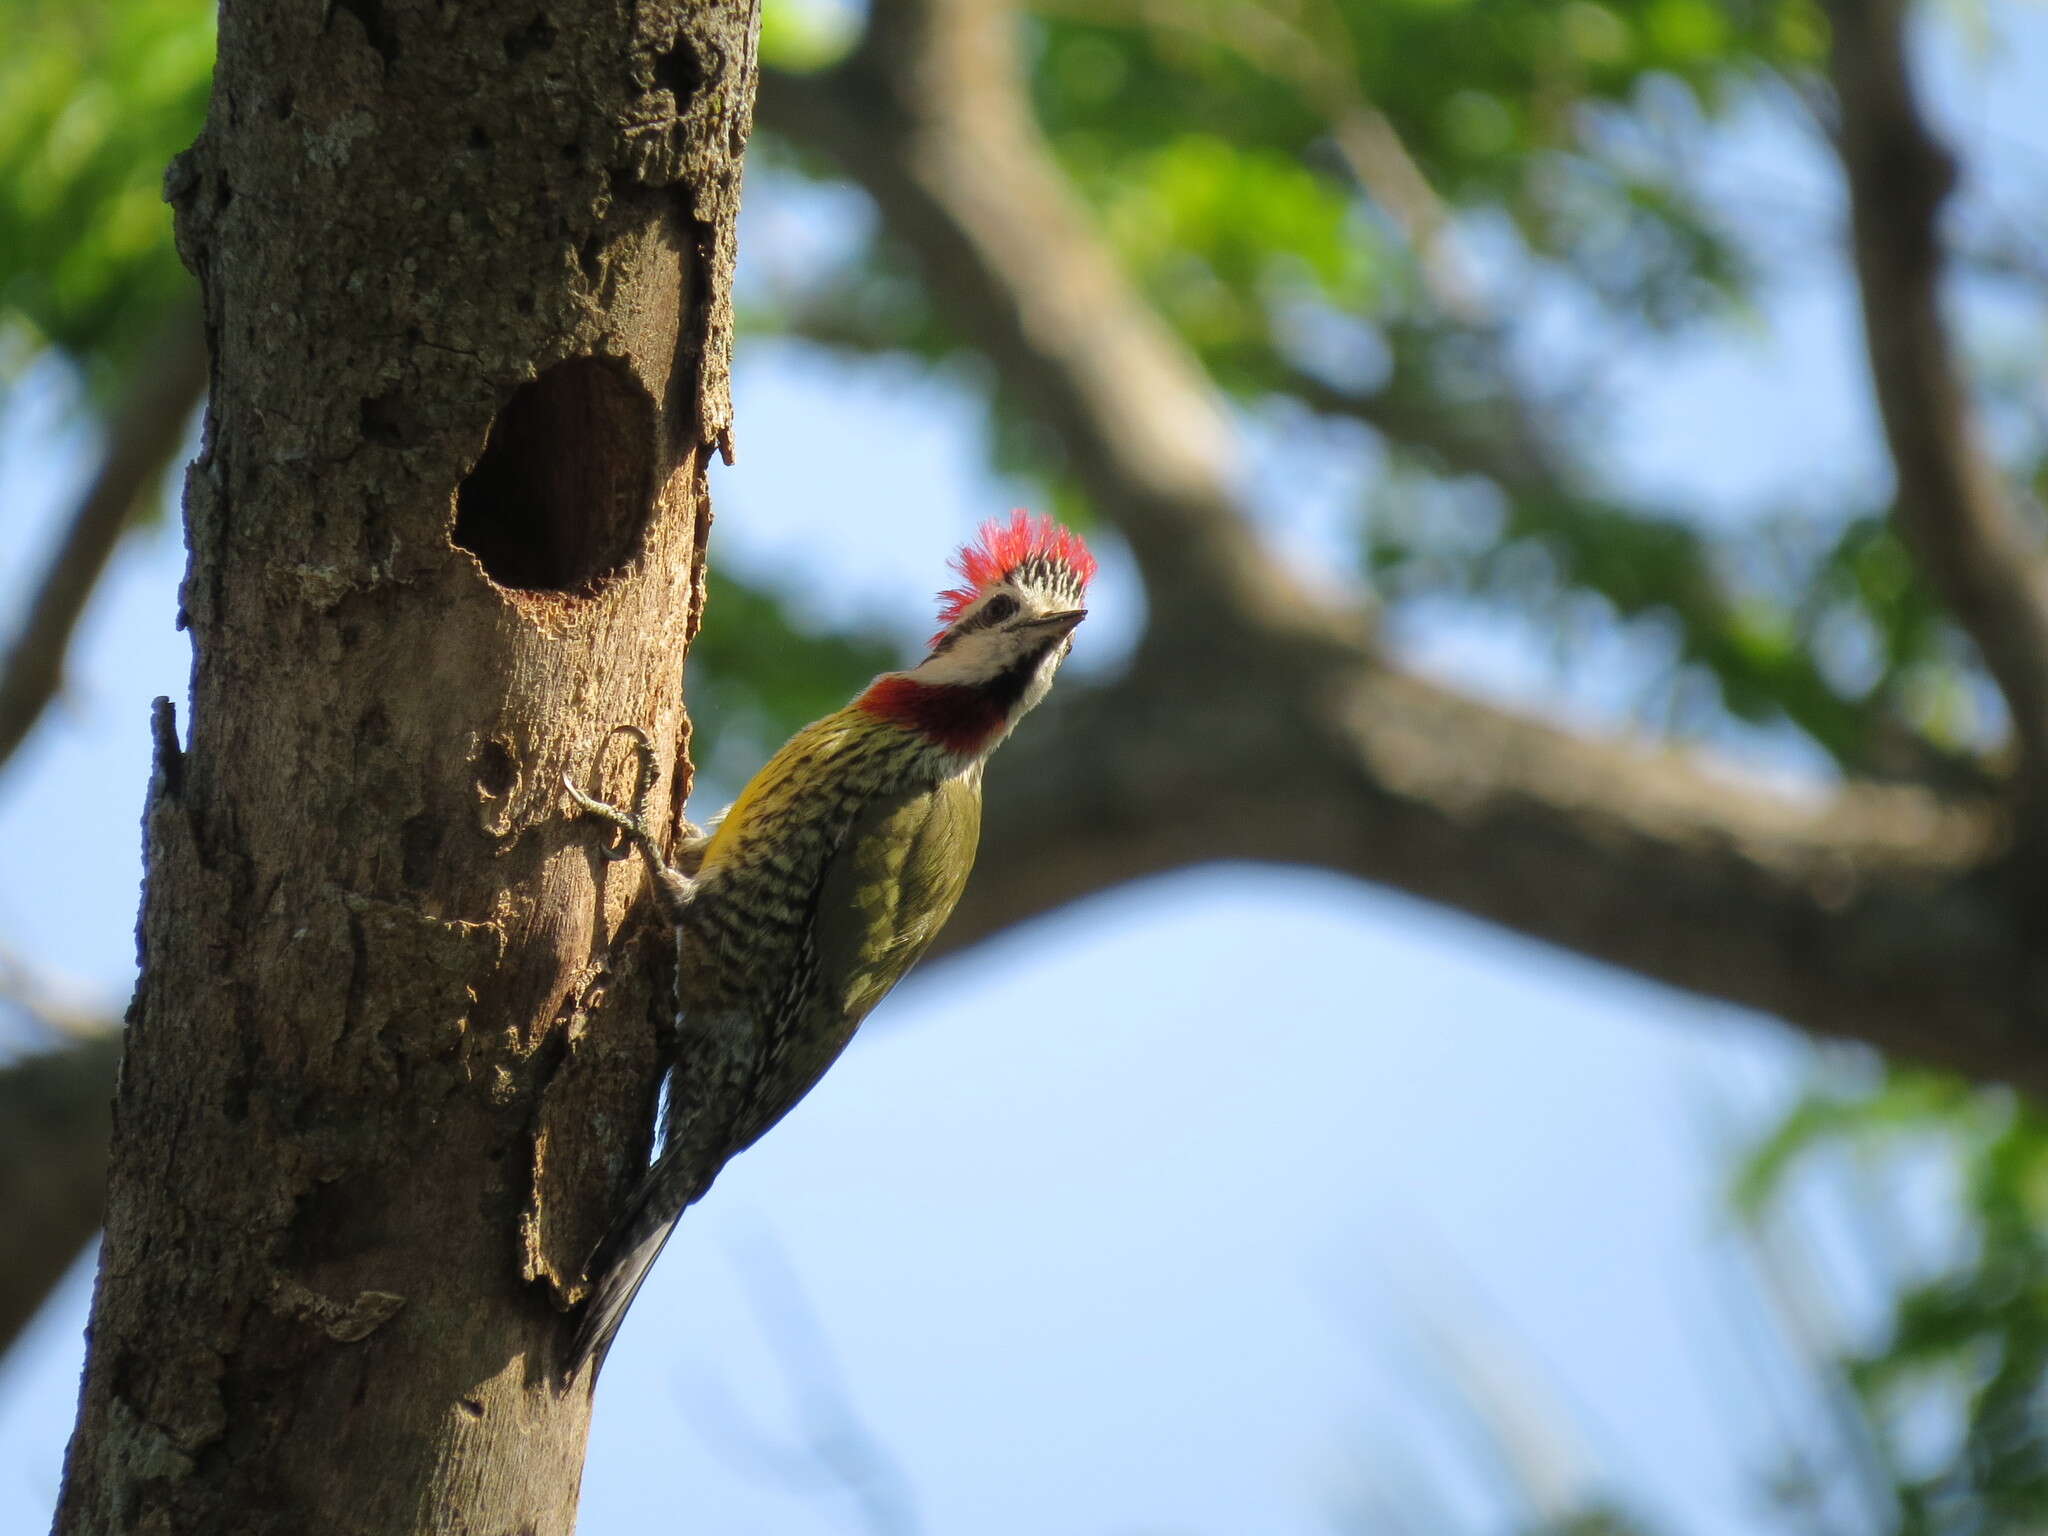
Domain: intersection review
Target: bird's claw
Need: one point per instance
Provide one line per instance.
(625, 821)
(631, 824)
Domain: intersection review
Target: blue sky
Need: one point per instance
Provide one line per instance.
(1189, 1208)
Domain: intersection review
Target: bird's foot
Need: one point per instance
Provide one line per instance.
(632, 824)
(674, 887)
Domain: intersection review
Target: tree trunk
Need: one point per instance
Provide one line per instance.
(392, 1054)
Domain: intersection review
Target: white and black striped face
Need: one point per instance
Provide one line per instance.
(1012, 638)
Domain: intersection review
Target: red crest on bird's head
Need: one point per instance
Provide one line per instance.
(1035, 550)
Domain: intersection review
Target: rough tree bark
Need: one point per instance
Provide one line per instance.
(465, 276)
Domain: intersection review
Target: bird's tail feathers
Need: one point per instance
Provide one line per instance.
(620, 1265)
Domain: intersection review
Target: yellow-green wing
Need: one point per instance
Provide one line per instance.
(891, 887)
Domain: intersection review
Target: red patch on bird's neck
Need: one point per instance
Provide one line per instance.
(948, 715)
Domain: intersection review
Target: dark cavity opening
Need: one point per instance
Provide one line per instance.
(497, 773)
(563, 491)
(680, 70)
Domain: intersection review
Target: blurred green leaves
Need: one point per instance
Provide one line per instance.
(804, 35)
(1220, 235)
(94, 100)
(1211, 139)
(1300, 186)
(1952, 1393)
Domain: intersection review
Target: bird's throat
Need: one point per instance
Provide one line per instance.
(955, 716)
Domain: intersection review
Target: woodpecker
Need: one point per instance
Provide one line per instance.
(828, 878)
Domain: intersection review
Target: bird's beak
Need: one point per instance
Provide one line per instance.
(1060, 624)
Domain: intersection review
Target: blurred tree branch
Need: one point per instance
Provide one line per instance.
(1606, 546)
(1308, 46)
(55, 1112)
(143, 433)
(930, 117)
(1881, 914)
(54, 1116)
(832, 1448)
(1952, 510)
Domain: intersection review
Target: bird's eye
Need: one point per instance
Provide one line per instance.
(999, 608)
